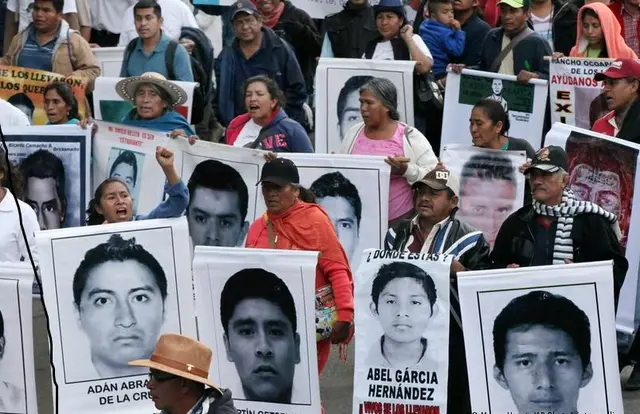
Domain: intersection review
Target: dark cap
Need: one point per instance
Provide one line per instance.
(244, 6)
(620, 69)
(440, 179)
(551, 159)
(280, 171)
(395, 6)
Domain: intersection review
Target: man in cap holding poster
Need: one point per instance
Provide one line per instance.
(536, 234)
(179, 376)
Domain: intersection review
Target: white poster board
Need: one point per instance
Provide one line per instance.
(110, 60)
(16, 359)
(541, 339)
(401, 298)
(111, 291)
(338, 83)
(276, 369)
(525, 104)
(604, 170)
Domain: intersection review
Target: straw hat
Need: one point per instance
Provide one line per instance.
(181, 356)
(126, 88)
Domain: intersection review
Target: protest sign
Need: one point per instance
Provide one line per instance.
(110, 60)
(525, 104)
(401, 298)
(17, 367)
(576, 97)
(491, 187)
(111, 291)
(110, 107)
(24, 89)
(541, 339)
(54, 161)
(603, 170)
(338, 83)
(237, 289)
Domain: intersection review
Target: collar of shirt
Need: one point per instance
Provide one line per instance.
(426, 245)
(33, 37)
(161, 47)
(8, 203)
(612, 122)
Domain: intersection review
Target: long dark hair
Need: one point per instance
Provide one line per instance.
(93, 217)
(66, 93)
(16, 178)
(587, 11)
(495, 112)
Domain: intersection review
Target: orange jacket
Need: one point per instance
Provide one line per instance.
(616, 46)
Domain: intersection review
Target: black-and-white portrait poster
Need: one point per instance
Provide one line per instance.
(354, 191)
(129, 154)
(111, 291)
(256, 310)
(402, 339)
(17, 370)
(54, 162)
(491, 186)
(338, 83)
(541, 339)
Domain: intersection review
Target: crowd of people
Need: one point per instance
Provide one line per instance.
(259, 93)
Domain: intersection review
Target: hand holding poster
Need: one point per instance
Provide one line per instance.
(110, 291)
(541, 339)
(24, 89)
(524, 103)
(237, 289)
(402, 340)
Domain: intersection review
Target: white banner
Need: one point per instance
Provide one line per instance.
(55, 165)
(338, 83)
(603, 170)
(402, 335)
(525, 104)
(109, 107)
(576, 97)
(491, 187)
(271, 294)
(111, 291)
(110, 60)
(541, 339)
(18, 382)
(224, 198)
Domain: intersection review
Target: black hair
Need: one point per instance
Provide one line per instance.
(256, 284)
(272, 87)
(93, 217)
(434, 5)
(66, 93)
(129, 158)
(495, 112)
(337, 185)
(215, 175)
(587, 11)
(545, 309)
(16, 176)
(116, 249)
(44, 164)
(148, 4)
(58, 5)
(306, 195)
(397, 270)
(488, 166)
(353, 84)
(21, 99)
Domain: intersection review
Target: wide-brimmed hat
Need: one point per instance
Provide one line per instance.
(181, 356)
(126, 88)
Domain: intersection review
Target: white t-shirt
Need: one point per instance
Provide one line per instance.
(12, 246)
(544, 26)
(175, 13)
(109, 15)
(10, 116)
(384, 51)
(249, 134)
(24, 15)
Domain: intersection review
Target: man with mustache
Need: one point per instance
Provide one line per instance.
(261, 338)
(557, 228)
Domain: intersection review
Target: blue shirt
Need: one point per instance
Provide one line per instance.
(37, 56)
(173, 206)
(72, 121)
(137, 63)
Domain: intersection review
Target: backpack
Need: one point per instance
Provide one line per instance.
(201, 67)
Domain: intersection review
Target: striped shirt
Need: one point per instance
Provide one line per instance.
(37, 56)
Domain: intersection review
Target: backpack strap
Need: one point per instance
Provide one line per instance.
(169, 58)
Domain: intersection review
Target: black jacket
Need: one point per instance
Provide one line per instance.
(564, 30)
(297, 28)
(630, 129)
(350, 30)
(593, 240)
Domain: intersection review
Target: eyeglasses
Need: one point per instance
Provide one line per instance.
(161, 376)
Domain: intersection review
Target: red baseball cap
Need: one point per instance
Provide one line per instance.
(621, 68)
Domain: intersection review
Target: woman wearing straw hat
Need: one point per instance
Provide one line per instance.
(179, 376)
